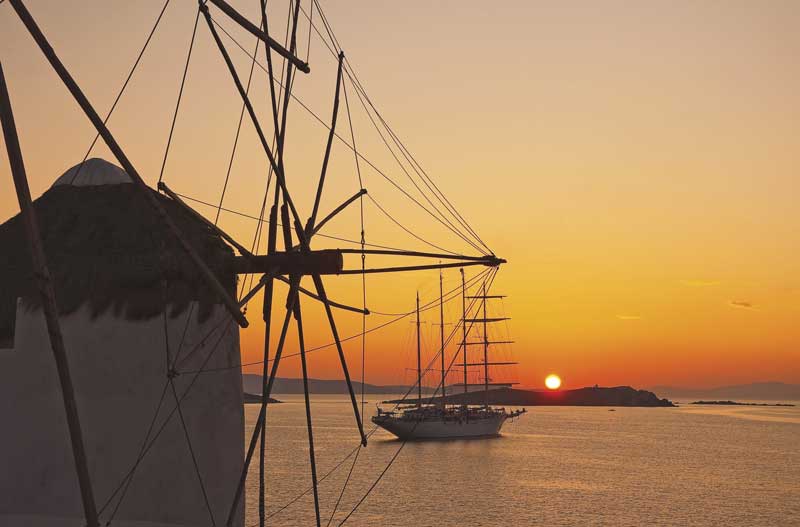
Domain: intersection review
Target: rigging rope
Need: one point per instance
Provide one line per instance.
(344, 141)
(277, 139)
(122, 90)
(238, 131)
(309, 489)
(409, 231)
(308, 45)
(166, 154)
(404, 151)
(180, 96)
(263, 221)
(170, 374)
(375, 428)
(363, 290)
(490, 280)
(426, 179)
(363, 255)
(259, 226)
(344, 487)
(147, 444)
(183, 335)
(191, 450)
(139, 457)
(375, 483)
(426, 307)
(441, 218)
(128, 475)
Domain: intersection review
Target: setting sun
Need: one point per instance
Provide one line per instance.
(552, 381)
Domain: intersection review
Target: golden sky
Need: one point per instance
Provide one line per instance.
(636, 163)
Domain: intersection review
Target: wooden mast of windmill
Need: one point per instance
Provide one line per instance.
(46, 288)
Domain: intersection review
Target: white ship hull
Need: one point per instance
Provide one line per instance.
(411, 429)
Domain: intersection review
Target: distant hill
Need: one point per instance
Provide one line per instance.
(282, 385)
(250, 398)
(616, 396)
(757, 391)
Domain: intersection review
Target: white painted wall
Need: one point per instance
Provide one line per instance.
(118, 369)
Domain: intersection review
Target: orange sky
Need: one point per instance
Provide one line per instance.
(636, 164)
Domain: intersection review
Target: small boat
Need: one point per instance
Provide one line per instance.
(422, 421)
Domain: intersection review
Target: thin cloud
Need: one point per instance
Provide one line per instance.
(742, 304)
(629, 317)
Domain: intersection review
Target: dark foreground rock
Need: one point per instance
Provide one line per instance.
(252, 398)
(616, 396)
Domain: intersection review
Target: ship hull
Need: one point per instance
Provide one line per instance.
(412, 430)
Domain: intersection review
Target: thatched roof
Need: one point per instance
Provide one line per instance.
(107, 249)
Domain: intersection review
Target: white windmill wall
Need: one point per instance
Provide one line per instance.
(118, 370)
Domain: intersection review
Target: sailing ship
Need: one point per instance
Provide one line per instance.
(437, 419)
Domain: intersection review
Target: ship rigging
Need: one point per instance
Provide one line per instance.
(436, 419)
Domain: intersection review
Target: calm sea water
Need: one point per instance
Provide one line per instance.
(554, 466)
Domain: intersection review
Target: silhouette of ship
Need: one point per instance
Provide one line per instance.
(437, 419)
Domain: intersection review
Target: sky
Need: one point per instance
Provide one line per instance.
(635, 163)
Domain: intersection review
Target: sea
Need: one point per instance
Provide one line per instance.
(689, 466)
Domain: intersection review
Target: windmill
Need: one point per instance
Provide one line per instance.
(297, 260)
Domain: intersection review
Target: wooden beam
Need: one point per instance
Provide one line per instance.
(490, 260)
(330, 302)
(487, 296)
(326, 261)
(488, 383)
(225, 236)
(492, 363)
(277, 164)
(261, 283)
(262, 415)
(49, 305)
(255, 31)
(326, 157)
(318, 284)
(481, 343)
(408, 267)
(336, 211)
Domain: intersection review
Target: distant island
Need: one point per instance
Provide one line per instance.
(282, 385)
(756, 391)
(592, 396)
(597, 396)
(734, 403)
(254, 398)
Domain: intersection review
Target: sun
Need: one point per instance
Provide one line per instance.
(553, 382)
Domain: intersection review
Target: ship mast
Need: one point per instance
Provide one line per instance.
(464, 326)
(485, 342)
(441, 333)
(419, 361)
(485, 353)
